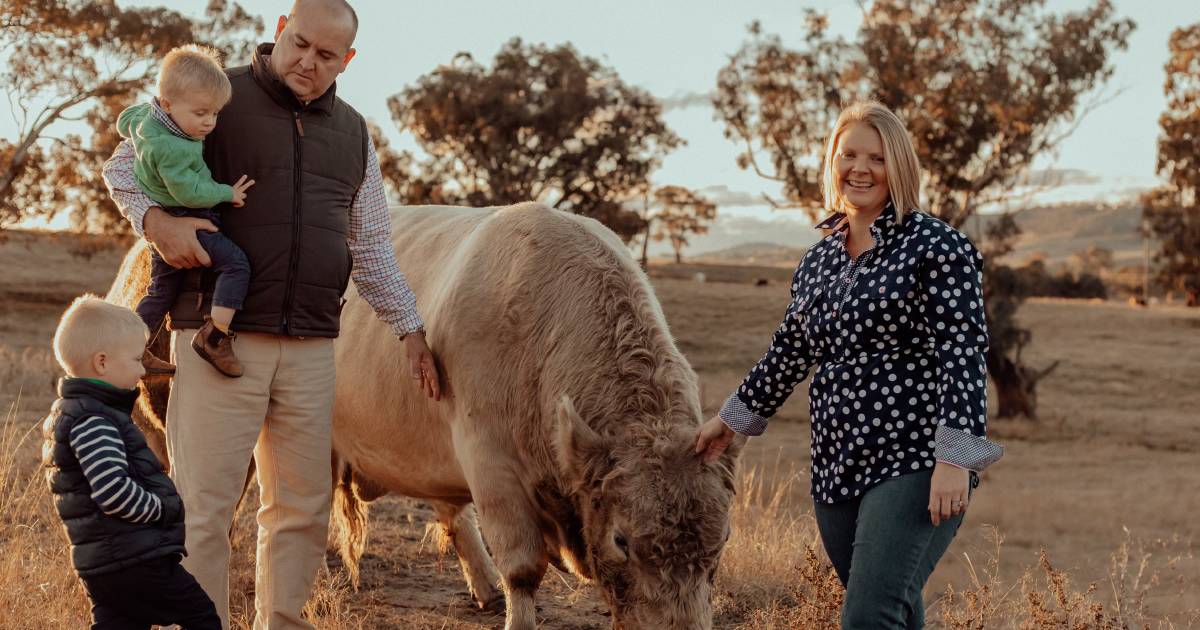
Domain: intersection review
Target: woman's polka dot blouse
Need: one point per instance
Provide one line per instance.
(898, 340)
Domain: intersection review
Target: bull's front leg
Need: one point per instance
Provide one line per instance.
(459, 527)
(509, 525)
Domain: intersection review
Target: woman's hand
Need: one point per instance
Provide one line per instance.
(713, 439)
(949, 490)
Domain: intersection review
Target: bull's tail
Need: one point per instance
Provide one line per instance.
(349, 520)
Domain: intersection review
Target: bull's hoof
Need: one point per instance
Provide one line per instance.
(495, 604)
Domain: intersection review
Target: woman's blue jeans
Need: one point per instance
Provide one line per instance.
(884, 546)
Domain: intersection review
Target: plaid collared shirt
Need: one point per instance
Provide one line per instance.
(165, 119)
(376, 272)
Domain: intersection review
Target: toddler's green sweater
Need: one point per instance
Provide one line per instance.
(169, 168)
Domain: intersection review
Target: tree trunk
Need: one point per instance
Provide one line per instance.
(678, 255)
(1016, 385)
(645, 247)
(1014, 397)
(649, 219)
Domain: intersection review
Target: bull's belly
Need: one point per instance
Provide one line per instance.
(406, 461)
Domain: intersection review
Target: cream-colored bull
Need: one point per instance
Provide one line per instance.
(569, 420)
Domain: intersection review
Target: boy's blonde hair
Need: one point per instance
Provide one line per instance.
(190, 69)
(899, 157)
(90, 326)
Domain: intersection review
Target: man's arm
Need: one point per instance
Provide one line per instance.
(123, 187)
(101, 454)
(379, 279)
(376, 272)
(173, 237)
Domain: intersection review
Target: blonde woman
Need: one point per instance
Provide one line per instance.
(888, 309)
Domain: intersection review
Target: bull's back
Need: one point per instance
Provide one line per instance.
(458, 262)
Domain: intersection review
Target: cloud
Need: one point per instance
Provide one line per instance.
(723, 196)
(1059, 177)
(791, 230)
(686, 100)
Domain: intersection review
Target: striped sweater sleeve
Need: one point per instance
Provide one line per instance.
(101, 454)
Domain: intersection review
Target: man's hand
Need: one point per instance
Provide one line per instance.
(175, 238)
(239, 191)
(713, 439)
(948, 492)
(422, 364)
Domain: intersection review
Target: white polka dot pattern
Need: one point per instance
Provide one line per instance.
(898, 356)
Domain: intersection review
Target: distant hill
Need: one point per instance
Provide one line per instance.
(1055, 232)
(1059, 231)
(756, 253)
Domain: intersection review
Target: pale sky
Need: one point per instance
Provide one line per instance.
(674, 48)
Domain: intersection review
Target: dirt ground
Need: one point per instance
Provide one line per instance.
(1113, 457)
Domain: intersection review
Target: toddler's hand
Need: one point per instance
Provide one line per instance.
(239, 191)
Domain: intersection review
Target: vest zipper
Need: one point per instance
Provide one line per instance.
(294, 256)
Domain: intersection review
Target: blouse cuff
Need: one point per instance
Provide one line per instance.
(963, 449)
(737, 416)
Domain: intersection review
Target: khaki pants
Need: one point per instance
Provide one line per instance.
(279, 412)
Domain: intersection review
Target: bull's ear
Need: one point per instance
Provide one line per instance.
(581, 452)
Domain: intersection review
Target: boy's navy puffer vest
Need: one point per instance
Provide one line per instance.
(101, 543)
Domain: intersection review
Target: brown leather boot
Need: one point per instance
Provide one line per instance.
(216, 347)
(156, 366)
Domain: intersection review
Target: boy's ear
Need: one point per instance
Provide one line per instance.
(347, 58)
(279, 26)
(100, 362)
(164, 103)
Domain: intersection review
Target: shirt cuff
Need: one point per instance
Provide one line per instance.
(737, 416)
(965, 450)
(409, 322)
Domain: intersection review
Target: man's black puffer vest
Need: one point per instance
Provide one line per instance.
(308, 161)
(101, 543)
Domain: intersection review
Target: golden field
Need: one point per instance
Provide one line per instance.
(1090, 520)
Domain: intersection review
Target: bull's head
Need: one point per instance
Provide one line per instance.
(653, 519)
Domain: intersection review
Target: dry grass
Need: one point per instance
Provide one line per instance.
(773, 573)
(1096, 501)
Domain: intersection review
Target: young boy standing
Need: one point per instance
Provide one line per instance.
(167, 137)
(122, 514)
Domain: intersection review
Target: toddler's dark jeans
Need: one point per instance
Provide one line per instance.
(228, 262)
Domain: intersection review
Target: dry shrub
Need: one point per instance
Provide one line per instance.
(1053, 603)
(38, 588)
(1045, 599)
(982, 604)
(773, 571)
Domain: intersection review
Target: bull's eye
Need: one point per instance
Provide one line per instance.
(621, 543)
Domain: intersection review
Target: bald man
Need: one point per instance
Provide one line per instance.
(316, 219)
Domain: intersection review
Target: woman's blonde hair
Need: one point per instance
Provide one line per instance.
(899, 157)
(193, 69)
(90, 326)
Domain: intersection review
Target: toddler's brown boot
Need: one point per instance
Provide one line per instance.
(156, 366)
(216, 347)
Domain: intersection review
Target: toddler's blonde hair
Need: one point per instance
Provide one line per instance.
(193, 69)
